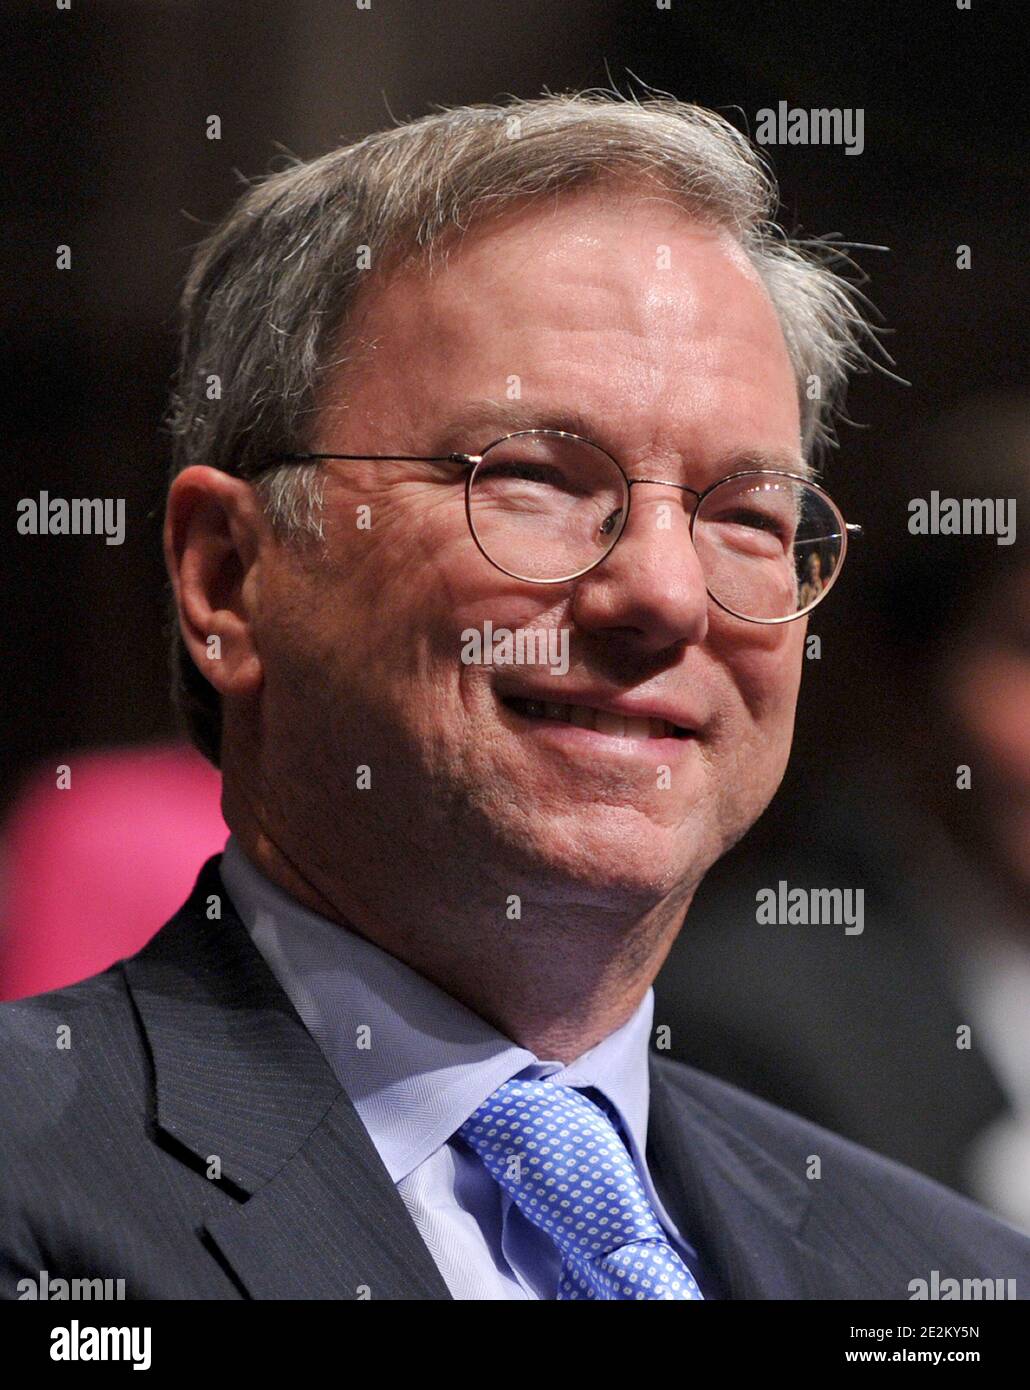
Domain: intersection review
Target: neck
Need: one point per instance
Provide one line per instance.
(556, 979)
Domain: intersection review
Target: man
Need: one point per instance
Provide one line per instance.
(487, 528)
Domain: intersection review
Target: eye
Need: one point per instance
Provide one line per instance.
(755, 520)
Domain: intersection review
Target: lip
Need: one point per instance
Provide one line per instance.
(627, 706)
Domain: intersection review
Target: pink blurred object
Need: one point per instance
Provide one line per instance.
(90, 873)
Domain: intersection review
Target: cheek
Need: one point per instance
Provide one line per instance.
(762, 677)
(763, 673)
(379, 622)
(409, 588)
(398, 549)
(380, 602)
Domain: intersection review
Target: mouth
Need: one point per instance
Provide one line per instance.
(634, 727)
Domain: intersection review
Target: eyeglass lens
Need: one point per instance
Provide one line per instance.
(546, 506)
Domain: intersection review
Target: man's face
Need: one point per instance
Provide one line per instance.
(654, 334)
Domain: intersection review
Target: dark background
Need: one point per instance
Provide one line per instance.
(105, 107)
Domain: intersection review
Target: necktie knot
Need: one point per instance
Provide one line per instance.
(561, 1160)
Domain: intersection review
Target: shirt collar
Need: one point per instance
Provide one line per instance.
(415, 1062)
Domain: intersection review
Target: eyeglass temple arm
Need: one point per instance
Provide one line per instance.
(849, 526)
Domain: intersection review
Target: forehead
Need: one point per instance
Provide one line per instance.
(622, 307)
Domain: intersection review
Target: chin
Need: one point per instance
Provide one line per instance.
(641, 863)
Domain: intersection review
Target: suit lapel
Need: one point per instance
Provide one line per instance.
(239, 1079)
(740, 1208)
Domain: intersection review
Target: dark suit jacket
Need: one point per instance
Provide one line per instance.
(190, 1052)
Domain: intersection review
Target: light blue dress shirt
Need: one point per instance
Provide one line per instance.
(416, 1063)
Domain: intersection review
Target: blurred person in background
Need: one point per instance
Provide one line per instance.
(96, 850)
(812, 584)
(867, 1033)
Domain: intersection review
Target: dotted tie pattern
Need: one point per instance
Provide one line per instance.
(568, 1171)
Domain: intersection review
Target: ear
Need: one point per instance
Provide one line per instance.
(213, 534)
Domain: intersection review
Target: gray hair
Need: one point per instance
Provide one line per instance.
(266, 303)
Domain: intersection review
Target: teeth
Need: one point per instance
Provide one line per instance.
(606, 723)
(614, 725)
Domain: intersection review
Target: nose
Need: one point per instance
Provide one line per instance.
(649, 590)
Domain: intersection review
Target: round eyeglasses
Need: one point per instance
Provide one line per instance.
(545, 506)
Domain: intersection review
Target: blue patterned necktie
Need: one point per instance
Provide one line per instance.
(562, 1161)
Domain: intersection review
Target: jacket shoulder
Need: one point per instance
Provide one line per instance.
(855, 1188)
(58, 1045)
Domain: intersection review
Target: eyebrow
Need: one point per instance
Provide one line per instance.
(472, 423)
